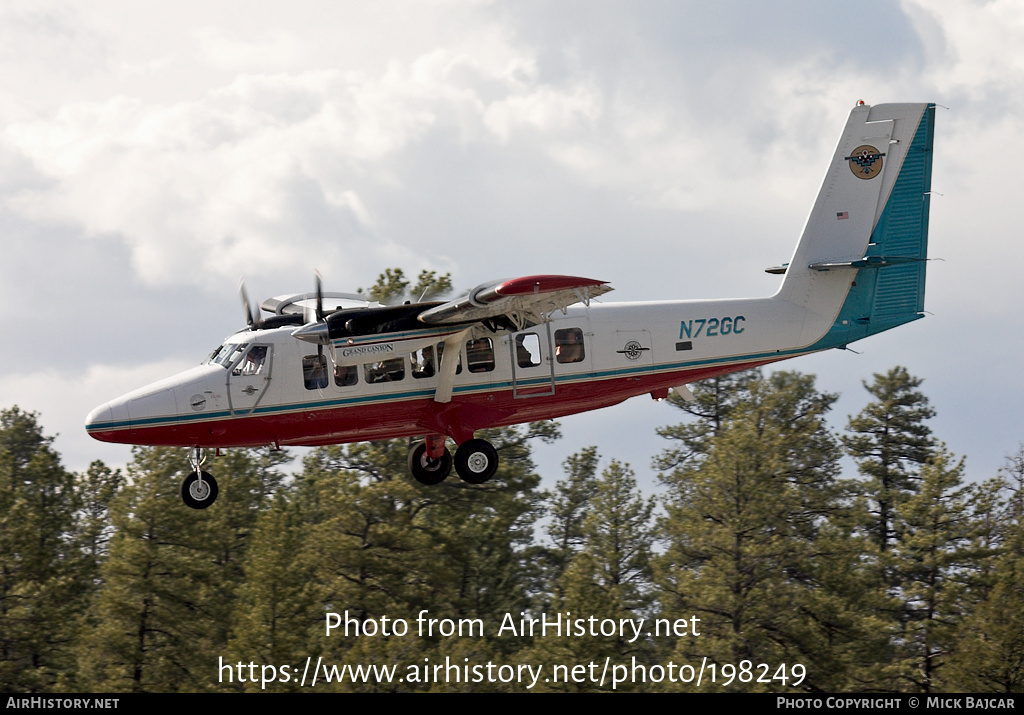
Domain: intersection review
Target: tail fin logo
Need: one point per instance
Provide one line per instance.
(865, 162)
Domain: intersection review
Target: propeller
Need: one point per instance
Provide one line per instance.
(252, 313)
(317, 314)
(315, 328)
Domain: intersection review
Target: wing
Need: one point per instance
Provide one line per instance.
(519, 299)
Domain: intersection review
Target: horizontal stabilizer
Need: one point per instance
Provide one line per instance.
(866, 262)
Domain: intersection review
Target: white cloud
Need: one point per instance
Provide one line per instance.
(272, 49)
(975, 47)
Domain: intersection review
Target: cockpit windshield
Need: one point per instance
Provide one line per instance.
(227, 353)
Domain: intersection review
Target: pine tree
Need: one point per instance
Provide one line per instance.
(384, 545)
(890, 442)
(95, 489)
(277, 614)
(713, 402)
(392, 285)
(567, 509)
(752, 547)
(41, 590)
(929, 561)
(607, 574)
(617, 530)
(170, 577)
(990, 651)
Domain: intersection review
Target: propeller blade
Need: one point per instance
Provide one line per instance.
(319, 296)
(252, 318)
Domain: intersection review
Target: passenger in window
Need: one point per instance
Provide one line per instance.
(569, 345)
(254, 359)
(423, 362)
(480, 355)
(440, 356)
(385, 371)
(345, 375)
(528, 350)
(314, 372)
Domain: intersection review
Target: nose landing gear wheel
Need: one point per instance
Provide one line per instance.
(476, 461)
(426, 470)
(199, 493)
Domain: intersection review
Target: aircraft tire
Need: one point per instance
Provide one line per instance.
(476, 461)
(198, 495)
(426, 470)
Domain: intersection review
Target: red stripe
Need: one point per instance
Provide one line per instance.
(397, 418)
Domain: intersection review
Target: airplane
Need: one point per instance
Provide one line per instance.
(330, 368)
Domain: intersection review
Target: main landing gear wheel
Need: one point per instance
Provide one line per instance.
(199, 490)
(476, 461)
(426, 470)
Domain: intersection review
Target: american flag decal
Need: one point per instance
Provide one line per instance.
(842, 214)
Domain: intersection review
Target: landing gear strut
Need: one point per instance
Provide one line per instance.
(199, 490)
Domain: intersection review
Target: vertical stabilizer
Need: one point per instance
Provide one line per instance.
(860, 265)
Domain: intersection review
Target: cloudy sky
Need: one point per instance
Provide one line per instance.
(152, 154)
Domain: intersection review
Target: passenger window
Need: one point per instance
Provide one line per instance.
(423, 362)
(440, 354)
(314, 372)
(569, 345)
(480, 355)
(528, 350)
(345, 375)
(385, 371)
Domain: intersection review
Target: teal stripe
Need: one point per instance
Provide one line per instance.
(429, 392)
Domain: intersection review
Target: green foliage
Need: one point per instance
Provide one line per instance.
(598, 565)
(392, 286)
(617, 530)
(749, 537)
(380, 544)
(277, 614)
(171, 575)
(890, 441)
(567, 511)
(713, 403)
(989, 656)
(929, 560)
(42, 574)
(94, 492)
(904, 580)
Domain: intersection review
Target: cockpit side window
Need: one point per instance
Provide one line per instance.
(253, 362)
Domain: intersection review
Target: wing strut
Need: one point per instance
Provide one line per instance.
(449, 364)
